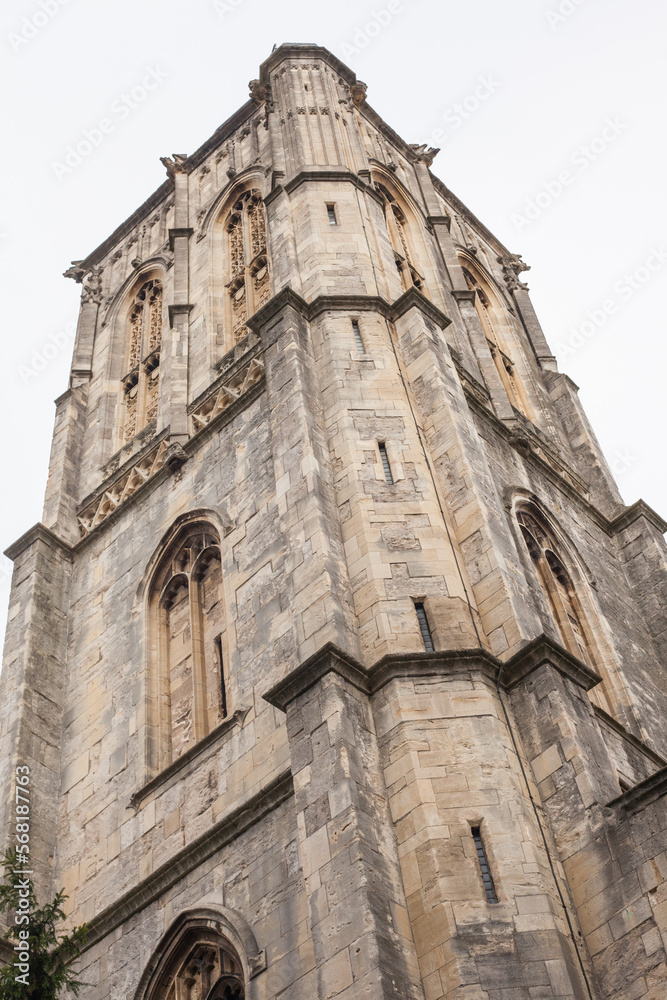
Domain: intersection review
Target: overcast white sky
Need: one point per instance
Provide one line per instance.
(546, 87)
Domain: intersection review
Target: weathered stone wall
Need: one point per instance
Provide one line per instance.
(339, 832)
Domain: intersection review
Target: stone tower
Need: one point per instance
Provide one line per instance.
(337, 661)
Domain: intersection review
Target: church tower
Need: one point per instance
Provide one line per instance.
(337, 661)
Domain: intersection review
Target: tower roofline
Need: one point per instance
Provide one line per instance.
(288, 50)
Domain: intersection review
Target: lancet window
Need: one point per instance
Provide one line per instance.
(248, 285)
(557, 584)
(397, 227)
(141, 383)
(188, 642)
(488, 315)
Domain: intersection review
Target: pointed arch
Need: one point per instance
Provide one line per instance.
(564, 585)
(141, 319)
(498, 329)
(407, 248)
(187, 673)
(208, 953)
(243, 259)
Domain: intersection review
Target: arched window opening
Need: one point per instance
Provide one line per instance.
(141, 383)
(397, 228)
(248, 284)
(557, 585)
(208, 972)
(504, 364)
(188, 643)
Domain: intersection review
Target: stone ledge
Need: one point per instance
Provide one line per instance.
(631, 514)
(322, 174)
(192, 856)
(442, 663)
(331, 659)
(642, 795)
(543, 651)
(327, 660)
(287, 297)
(38, 533)
(191, 755)
(414, 298)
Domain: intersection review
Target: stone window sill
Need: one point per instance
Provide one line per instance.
(187, 760)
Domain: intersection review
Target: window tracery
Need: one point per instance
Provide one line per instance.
(504, 364)
(189, 631)
(141, 383)
(209, 971)
(248, 287)
(556, 584)
(397, 228)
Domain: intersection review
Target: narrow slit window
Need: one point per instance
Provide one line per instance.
(221, 669)
(331, 212)
(424, 627)
(357, 337)
(487, 878)
(385, 463)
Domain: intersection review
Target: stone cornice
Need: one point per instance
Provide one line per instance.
(287, 297)
(325, 661)
(191, 857)
(348, 303)
(543, 651)
(631, 514)
(450, 662)
(642, 795)
(414, 298)
(324, 174)
(38, 533)
(331, 659)
(304, 50)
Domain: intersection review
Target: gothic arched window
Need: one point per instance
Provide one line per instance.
(188, 629)
(204, 968)
(557, 584)
(141, 383)
(248, 283)
(489, 313)
(209, 972)
(397, 228)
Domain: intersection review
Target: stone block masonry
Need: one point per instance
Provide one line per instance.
(336, 660)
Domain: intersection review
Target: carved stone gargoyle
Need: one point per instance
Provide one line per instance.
(358, 93)
(175, 164)
(512, 267)
(425, 154)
